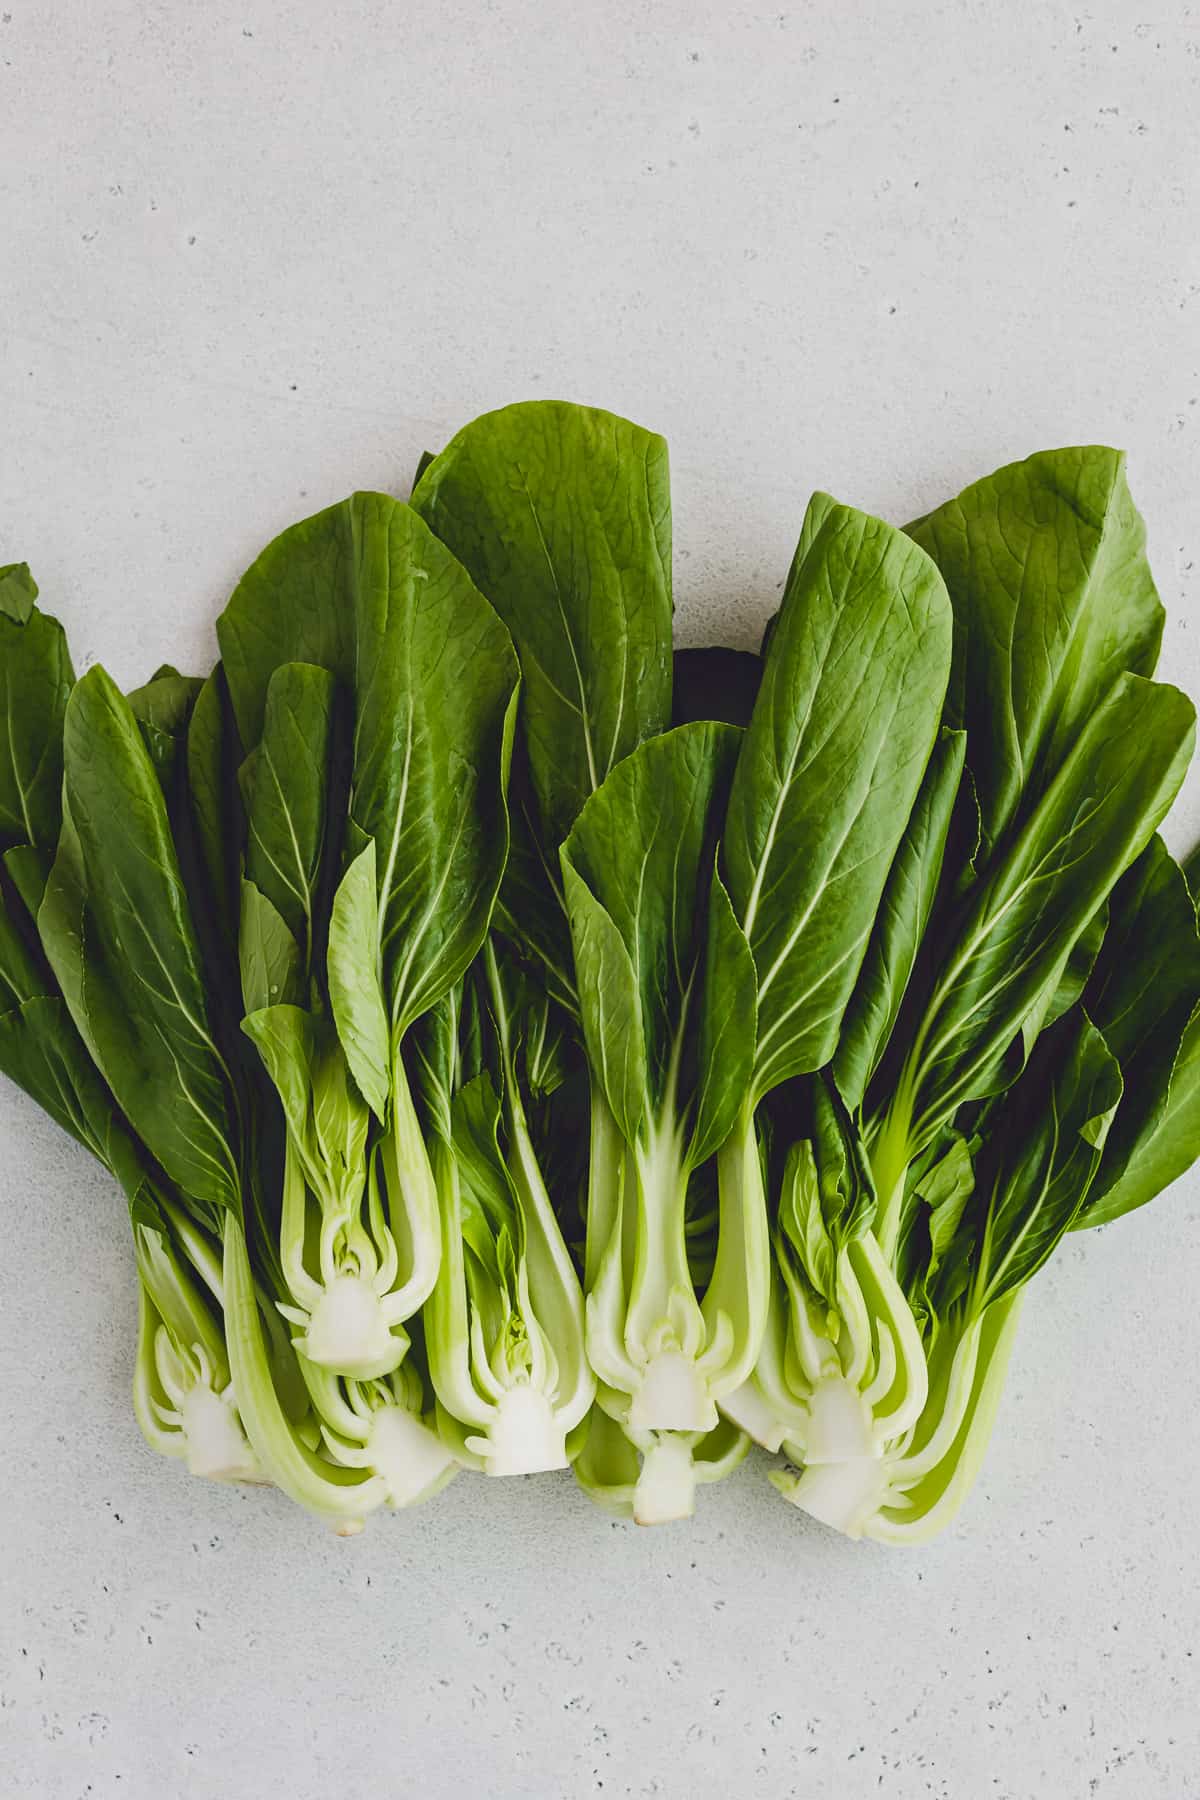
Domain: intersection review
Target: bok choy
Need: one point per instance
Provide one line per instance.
(522, 1044)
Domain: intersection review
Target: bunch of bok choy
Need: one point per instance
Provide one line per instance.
(523, 1046)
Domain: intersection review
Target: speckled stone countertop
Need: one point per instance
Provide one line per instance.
(254, 256)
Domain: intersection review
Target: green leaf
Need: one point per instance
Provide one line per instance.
(118, 932)
(1144, 996)
(531, 910)
(166, 701)
(845, 721)
(1191, 871)
(286, 1039)
(934, 1251)
(354, 990)
(298, 602)
(287, 806)
(434, 1048)
(847, 1194)
(728, 1026)
(1042, 1162)
(163, 708)
(900, 924)
(1096, 817)
(28, 870)
(268, 956)
(643, 848)
(367, 592)
(341, 1121)
(562, 515)
(214, 755)
(476, 1134)
(18, 591)
(436, 695)
(1068, 981)
(1053, 600)
(1161, 1151)
(945, 1191)
(802, 1220)
(41, 1050)
(35, 679)
(611, 1004)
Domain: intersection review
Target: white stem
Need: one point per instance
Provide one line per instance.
(348, 1331)
(302, 1286)
(411, 1459)
(666, 1486)
(839, 1427)
(845, 1495)
(672, 1396)
(524, 1438)
(748, 1408)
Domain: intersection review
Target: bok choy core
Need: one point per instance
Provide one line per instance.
(521, 1045)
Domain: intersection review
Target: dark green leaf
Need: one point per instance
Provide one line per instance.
(268, 955)
(530, 910)
(434, 1052)
(643, 848)
(163, 708)
(28, 870)
(1144, 995)
(436, 696)
(1040, 1165)
(728, 1026)
(118, 931)
(610, 1002)
(845, 721)
(802, 1221)
(214, 754)
(18, 591)
(847, 1194)
(166, 701)
(354, 990)
(1097, 816)
(35, 680)
(299, 603)
(1053, 600)
(562, 515)
(900, 924)
(287, 808)
(287, 1039)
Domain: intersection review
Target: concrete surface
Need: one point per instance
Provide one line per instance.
(254, 255)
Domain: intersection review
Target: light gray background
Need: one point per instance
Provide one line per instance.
(252, 256)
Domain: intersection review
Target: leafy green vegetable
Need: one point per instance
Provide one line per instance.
(419, 837)
(521, 1046)
(1010, 1021)
(1053, 598)
(562, 516)
(504, 1324)
(1144, 995)
(183, 1396)
(383, 873)
(842, 730)
(116, 926)
(638, 868)
(561, 513)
